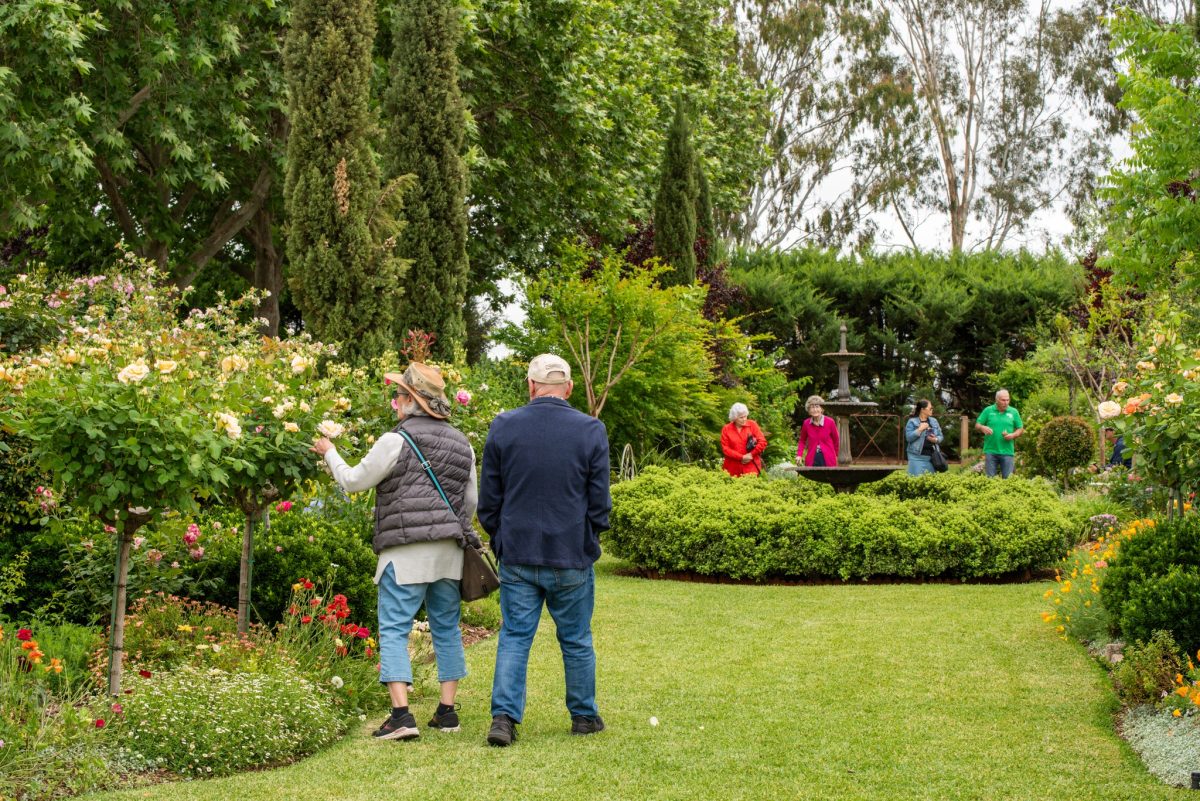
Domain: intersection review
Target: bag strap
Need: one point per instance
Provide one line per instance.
(428, 470)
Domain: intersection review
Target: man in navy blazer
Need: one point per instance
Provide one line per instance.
(543, 499)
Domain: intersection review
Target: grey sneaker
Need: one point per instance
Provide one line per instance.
(503, 732)
(581, 724)
(446, 721)
(401, 728)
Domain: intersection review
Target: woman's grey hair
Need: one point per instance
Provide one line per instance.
(813, 400)
(736, 409)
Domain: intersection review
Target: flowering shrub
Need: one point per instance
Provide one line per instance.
(209, 722)
(1158, 411)
(321, 639)
(1076, 607)
(47, 711)
(1185, 696)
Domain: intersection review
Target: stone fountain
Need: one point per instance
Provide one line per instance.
(840, 405)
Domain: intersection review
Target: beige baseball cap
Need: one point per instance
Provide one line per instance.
(549, 369)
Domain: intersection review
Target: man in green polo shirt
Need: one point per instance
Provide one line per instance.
(1000, 424)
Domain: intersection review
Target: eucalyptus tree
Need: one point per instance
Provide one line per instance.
(841, 134)
(1008, 135)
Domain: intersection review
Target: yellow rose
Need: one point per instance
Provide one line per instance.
(291, 427)
(133, 373)
(71, 357)
(165, 366)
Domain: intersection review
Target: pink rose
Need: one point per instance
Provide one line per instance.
(138, 542)
(278, 549)
(283, 506)
(463, 397)
(190, 538)
(197, 553)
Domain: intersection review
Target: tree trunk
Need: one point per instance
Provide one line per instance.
(244, 576)
(116, 646)
(268, 268)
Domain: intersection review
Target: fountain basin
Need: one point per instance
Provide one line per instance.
(848, 477)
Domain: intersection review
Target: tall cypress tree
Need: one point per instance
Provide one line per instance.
(675, 206)
(344, 275)
(704, 212)
(426, 126)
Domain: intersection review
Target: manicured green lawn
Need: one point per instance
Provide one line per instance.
(832, 692)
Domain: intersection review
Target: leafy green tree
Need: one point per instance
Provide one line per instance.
(675, 206)
(156, 122)
(705, 227)
(426, 126)
(1152, 215)
(345, 276)
(638, 351)
(570, 102)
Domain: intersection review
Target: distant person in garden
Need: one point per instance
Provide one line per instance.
(543, 499)
(1119, 457)
(1001, 424)
(819, 440)
(921, 433)
(418, 539)
(742, 442)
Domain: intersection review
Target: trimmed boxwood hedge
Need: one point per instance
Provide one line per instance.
(692, 520)
(1153, 583)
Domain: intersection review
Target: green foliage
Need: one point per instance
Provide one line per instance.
(922, 319)
(1154, 583)
(1065, 443)
(197, 722)
(425, 119)
(637, 351)
(299, 543)
(1152, 214)
(710, 523)
(1148, 671)
(675, 205)
(345, 276)
(570, 102)
(153, 121)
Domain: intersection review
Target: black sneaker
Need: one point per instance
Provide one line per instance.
(585, 725)
(446, 721)
(398, 728)
(503, 731)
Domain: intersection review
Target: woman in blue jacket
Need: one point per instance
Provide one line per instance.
(921, 434)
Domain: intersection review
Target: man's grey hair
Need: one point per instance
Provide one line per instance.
(411, 408)
(736, 409)
(1005, 391)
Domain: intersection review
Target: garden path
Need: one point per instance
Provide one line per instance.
(825, 692)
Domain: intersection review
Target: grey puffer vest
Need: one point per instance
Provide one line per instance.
(408, 507)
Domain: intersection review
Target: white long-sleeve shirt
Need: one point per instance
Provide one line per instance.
(417, 562)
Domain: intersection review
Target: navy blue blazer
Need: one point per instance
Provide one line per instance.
(543, 490)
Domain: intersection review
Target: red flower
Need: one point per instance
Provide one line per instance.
(306, 619)
(292, 610)
(369, 651)
(145, 674)
(314, 602)
(24, 635)
(283, 506)
(99, 723)
(362, 633)
(117, 709)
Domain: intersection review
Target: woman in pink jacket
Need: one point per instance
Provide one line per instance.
(819, 441)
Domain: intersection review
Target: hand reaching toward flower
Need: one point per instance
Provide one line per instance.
(321, 446)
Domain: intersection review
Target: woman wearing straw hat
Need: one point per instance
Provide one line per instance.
(419, 537)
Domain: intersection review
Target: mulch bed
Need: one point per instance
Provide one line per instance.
(1017, 577)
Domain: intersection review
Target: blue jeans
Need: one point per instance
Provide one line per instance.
(918, 465)
(398, 605)
(569, 595)
(1002, 462)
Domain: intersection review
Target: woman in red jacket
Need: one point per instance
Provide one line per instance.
(742, 442)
